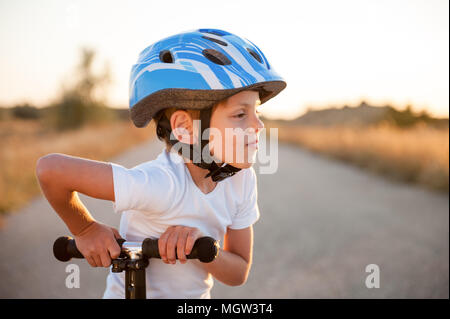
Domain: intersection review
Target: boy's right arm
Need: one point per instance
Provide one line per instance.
(61, 177)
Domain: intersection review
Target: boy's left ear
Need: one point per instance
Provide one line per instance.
(183, 126)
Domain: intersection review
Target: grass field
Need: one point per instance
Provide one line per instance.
(416, 155)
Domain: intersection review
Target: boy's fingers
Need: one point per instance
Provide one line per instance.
(162, 242)
(114, 250)
(171, 245)
(181, 245)
(106, 260)
(97, 260)
(90, 261)
(191, 238)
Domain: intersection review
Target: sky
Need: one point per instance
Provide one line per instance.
(331, 53)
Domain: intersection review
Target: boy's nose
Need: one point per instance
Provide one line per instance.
(258, 125)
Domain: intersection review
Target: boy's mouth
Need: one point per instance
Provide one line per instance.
(253, 144)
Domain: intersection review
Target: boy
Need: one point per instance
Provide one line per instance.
(194, 188)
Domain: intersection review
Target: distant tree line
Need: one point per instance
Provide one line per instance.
(367, 115)
(29, 112)
(78, 102)
(408, 118)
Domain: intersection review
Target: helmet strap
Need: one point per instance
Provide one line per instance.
(202, 159)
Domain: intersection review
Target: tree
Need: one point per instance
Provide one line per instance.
(79, 102)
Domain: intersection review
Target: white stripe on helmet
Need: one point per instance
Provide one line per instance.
(239, 58)
(152, 67)
(208, 75)
(234, 78)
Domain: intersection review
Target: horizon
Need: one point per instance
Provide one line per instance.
(324, 108)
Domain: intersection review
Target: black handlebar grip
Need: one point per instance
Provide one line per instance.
(65, 248)
(205, 249)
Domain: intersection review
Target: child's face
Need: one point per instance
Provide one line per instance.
(235, 128)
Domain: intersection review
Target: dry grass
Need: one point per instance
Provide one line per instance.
(417, 155)
(23, 142)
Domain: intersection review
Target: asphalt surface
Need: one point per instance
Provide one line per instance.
(322, 222)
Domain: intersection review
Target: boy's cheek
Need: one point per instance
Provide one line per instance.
(232, 149)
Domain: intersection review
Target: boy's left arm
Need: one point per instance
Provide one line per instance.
(232, 266)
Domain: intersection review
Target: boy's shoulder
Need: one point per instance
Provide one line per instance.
(163, 161)
(164, 166)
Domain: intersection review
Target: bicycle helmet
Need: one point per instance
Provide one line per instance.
(195, 70)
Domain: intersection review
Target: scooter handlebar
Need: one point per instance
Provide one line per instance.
(205, 249)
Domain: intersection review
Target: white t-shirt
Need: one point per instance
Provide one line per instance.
(157, 194)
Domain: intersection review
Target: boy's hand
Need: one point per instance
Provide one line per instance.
(181, 238)
(97, 243)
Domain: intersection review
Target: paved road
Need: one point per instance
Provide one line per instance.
(322, 222)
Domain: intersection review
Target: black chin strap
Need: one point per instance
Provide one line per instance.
(217, 173)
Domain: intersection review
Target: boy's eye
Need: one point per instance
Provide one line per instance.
(241, 115)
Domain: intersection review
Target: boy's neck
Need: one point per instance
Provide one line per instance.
(206, 185)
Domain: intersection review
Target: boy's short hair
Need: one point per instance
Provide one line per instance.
(164, 115)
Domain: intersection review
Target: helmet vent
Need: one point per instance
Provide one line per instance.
(216, 57)
(215, 40)
(166, 56)
(255, 55)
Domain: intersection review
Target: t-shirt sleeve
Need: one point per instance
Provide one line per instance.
(248, 211)
(145, 189)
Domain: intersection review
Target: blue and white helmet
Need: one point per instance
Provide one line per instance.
(195, 70)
